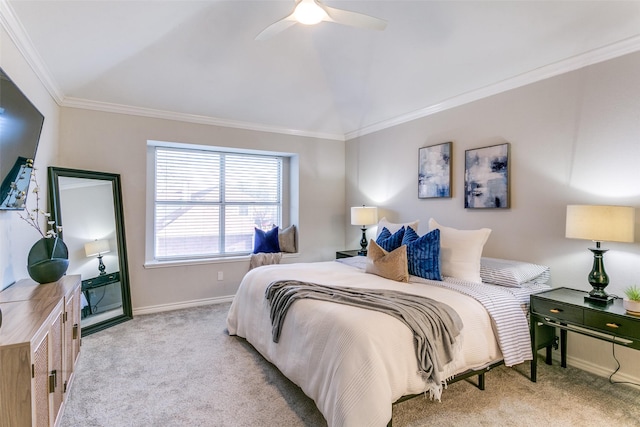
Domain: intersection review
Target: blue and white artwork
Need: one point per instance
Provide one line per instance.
(486, 177)
(434, 171)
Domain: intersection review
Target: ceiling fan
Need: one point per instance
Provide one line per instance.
(311, 12)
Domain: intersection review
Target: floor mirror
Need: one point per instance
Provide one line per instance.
(88, 206)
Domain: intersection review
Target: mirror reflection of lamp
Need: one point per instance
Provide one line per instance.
(97, 247)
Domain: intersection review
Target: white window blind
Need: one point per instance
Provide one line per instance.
(207, 203)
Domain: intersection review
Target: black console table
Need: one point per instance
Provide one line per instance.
(97, 282)
(566, 309)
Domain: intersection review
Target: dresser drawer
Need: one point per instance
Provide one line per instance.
(557, 310)
(617, 325)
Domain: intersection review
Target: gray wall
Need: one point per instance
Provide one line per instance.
(16, 236)
(117, 143)
(575, 139)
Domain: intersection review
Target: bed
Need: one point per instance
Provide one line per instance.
(354, 362)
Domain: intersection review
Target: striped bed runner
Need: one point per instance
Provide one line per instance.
(506, 311)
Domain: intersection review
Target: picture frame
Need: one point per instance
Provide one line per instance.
(434, 171)
(486, 177)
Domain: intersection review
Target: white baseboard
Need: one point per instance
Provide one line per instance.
(180, 305)
(595, 369)
(598, 370)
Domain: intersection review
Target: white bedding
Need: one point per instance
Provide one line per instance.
(354, 363)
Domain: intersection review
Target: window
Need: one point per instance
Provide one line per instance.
(207, 203)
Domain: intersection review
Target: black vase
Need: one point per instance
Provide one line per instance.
(48, 260)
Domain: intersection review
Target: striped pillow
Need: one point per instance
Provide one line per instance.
(423, 254)
(388, 241)
(512, 273)
(393, 227)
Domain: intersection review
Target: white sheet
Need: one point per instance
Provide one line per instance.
(354, 363)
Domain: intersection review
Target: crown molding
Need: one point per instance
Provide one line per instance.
(21, 39)
(24, 44)
(190, 118)
(592, 57)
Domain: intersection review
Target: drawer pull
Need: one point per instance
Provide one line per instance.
(555, 310)
(613, 325)
(53, 381)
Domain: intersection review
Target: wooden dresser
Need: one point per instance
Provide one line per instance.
(39, 348)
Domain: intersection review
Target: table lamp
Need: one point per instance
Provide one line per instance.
(97, 247)
(600, 223)
(363, 216)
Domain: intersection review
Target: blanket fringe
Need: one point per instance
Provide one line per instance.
(448, 372)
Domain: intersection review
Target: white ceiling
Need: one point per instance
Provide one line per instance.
(198, 60)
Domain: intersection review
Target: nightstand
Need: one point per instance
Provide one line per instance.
(97, 282)
(346, 254)
(566, 309)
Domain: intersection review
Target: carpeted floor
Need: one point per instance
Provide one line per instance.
(181, 368)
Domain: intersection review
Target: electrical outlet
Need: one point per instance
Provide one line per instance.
(220, 275)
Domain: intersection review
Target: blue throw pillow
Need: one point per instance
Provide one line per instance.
(384, 234)
(410, 235)
(390, 242)
(423, 253)
(266, 241)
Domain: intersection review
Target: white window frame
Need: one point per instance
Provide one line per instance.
(289, 198)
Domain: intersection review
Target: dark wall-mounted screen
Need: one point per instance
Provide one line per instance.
(20, 128)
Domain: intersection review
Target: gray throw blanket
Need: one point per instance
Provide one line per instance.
(435, 325)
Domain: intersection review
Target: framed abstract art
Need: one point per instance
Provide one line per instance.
(486, 177)
(434, 171)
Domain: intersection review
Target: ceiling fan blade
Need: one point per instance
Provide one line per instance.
(353, 19)
(276, 27)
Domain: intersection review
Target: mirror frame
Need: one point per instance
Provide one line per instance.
(54, 204)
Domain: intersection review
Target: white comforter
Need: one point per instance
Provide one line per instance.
(354, 363)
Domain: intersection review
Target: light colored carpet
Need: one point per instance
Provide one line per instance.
(181, 368)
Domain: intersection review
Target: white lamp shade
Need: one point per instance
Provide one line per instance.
(364, 215)
(600, 223)
(96, 247)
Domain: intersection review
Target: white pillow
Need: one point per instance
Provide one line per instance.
(460, 251)
(392, 227)
(512, 273)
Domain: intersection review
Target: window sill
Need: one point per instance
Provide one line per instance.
(221, 260)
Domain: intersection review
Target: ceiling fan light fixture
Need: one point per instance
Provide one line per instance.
(309, 13)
